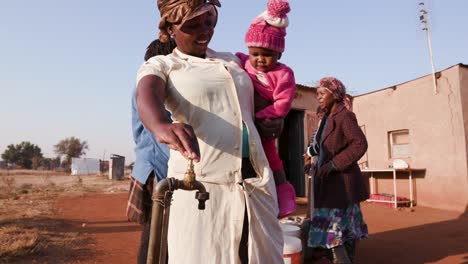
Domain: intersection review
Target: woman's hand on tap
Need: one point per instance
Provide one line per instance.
(179, 137)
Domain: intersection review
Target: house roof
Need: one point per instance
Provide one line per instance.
(302, 86)
(394, 86)
(305, 86)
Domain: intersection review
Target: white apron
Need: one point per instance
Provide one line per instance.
(214, 95)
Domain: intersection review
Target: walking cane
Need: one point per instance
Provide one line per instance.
(305, 225)
(162, 196)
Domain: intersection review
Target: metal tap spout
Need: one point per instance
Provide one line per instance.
(189, 183)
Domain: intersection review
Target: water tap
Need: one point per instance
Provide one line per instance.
(190, 183)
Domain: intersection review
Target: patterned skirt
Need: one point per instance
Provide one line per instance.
(139, 202)
(331, 227)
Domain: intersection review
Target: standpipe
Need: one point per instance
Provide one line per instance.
(162, 197)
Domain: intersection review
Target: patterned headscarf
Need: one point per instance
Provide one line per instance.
(337, 89)
(178, 11)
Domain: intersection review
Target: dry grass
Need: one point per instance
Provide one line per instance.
(28, 232)
(22, 172)
(27, 202)
(41, 240)
(32, 201)
(16, 241)
(16, 172)
(9, 187)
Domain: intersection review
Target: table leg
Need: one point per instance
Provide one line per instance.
(411, 188)
(372, 183)
(394, 189)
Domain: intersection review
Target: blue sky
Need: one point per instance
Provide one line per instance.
(68, 67)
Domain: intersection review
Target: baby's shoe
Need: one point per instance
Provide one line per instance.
(286, 199)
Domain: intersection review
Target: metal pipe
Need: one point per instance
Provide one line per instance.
(162, 197)
(154, 247)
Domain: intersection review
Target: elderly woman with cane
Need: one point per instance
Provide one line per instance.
(210, 98)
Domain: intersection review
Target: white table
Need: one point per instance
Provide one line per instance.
(394, 172)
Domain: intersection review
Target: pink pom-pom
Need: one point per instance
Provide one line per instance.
(278, 8)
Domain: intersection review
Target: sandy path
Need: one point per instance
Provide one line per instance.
(423, 236)
(102, 216)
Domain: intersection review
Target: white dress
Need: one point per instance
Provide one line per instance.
(214, 95)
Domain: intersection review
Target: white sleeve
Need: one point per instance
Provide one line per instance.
(157, 65)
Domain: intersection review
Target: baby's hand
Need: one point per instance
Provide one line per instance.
(269, 128)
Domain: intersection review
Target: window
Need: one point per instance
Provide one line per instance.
(364, 161)
(399, 144)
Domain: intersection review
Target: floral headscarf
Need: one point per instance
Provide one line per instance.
(177, 11)
(337, 89)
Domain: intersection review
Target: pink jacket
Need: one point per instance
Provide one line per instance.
(277, 86)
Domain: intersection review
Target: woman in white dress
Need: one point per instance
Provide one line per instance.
(211, 101)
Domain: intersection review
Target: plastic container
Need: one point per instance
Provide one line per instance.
(291, 230)
(292, 250)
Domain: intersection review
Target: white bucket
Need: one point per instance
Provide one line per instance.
(291, 230)
(292, 250)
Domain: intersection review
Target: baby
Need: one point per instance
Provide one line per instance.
(274, 82)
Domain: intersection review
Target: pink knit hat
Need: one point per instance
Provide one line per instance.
(268, 30)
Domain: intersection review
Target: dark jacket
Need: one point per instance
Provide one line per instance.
(344, 143)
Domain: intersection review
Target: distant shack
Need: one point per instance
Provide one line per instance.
(116, 167)
(85, 166)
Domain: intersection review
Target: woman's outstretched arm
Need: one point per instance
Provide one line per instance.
(150, 94)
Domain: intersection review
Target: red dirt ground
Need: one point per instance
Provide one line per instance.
(396, 236)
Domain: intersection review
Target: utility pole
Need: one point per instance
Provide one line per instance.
(424, 18)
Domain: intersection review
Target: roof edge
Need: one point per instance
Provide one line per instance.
(394, 86)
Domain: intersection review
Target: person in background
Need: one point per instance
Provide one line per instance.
(150, 163)
(274, 82)
(337, 222)
(186, 21)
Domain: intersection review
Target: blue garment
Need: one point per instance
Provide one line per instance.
(320, 141)
(149, 154)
